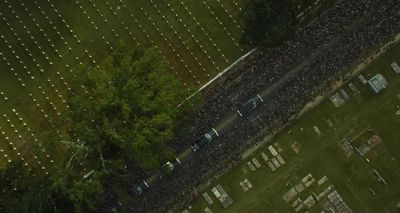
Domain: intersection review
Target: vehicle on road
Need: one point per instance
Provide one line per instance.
(208, 137)
(250, 105)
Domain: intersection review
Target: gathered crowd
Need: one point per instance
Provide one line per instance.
(297, 71)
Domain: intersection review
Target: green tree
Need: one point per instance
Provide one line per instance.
(123, 112)
(76, 194)
(268, 22)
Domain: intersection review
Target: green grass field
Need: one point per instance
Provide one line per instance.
(321, 155)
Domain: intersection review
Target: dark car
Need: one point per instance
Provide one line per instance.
(246, 108)
(208, 137)
(199, 144)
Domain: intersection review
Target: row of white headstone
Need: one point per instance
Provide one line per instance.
(235, 23)
(199, 26)
(18, 134)
(176, 35)
(23, 84)
(172, 48)
(25, 66)
(53, 26)
(61, 78)
(193, 36)
(222, 25)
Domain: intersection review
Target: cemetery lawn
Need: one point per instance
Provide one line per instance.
(321, 156)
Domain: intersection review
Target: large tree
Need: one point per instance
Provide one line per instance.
(121, 113)
(127, 109)
(268, 22)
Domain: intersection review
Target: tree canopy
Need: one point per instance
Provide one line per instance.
(267, 22)
(123, 112)
(126, 110)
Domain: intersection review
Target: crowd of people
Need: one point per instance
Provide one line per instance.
(318, 55)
